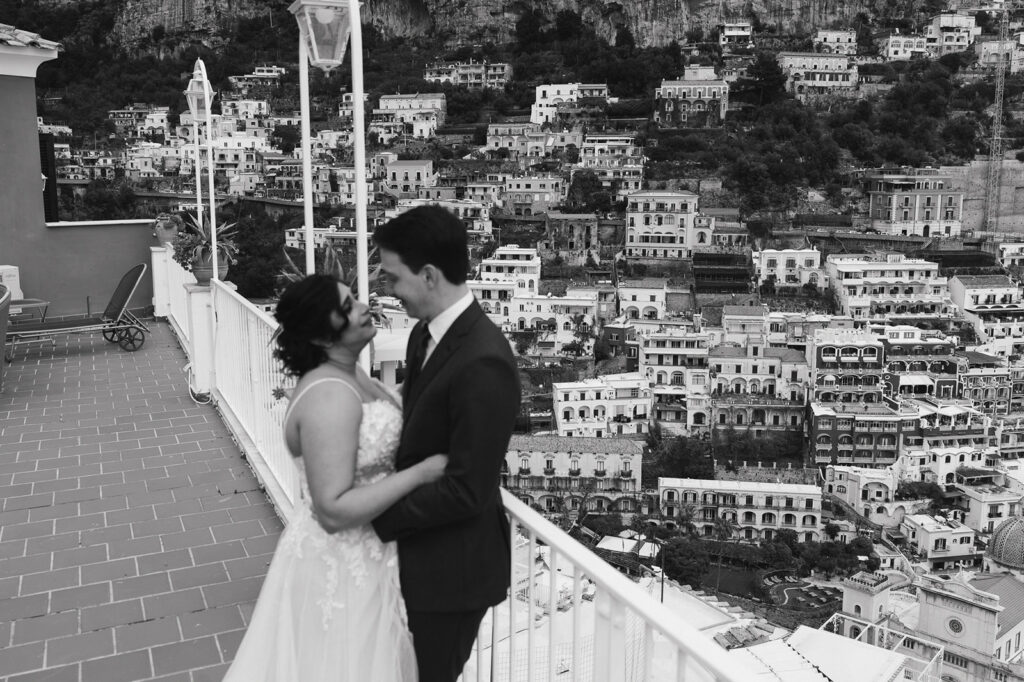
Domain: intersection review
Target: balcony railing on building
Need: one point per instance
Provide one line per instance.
(570, 613)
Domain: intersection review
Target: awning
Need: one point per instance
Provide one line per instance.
(916, 380)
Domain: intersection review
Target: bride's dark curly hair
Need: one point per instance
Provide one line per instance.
(304, 312)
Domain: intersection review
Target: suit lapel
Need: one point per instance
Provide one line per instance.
(450, 343)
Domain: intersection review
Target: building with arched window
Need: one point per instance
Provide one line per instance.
(966, 627)
(811, 74)
(510, 270)
(758, 510)
(661, 225)
(914, 201)
(560, 475)
(889, 288)
(675, 360)
(605, 406)
(699, 98)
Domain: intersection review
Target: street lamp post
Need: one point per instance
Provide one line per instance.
(324, 30)
(200, 103)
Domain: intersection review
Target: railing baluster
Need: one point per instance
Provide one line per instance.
(479, 649)
(513, 598)
(682, 660)
(577, 622)
(494, 643)
(552, 609)
(648, 652)
(531, 608)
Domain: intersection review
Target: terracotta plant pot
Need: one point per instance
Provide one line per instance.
(203, 270)
(166, 229)
(166, 235)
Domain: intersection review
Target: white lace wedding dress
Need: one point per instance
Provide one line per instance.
(331, 608)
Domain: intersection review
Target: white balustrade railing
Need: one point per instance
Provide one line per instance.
(177, 300)
(247, 382)
(570, 615)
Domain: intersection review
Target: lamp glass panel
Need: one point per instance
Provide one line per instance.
(197, 98)
(326, 28)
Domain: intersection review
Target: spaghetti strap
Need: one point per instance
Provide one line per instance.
(306, 388)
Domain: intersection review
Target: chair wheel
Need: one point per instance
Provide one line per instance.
(131, 339)
(111, 335)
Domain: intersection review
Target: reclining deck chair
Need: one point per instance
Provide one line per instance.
(116, 323)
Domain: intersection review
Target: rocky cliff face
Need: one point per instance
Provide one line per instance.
(137, 19)
(651, 22)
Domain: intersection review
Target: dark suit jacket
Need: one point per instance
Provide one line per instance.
(453, 535)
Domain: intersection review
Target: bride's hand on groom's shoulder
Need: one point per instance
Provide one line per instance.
(432, 468)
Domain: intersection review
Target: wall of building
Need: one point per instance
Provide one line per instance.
(66, 265)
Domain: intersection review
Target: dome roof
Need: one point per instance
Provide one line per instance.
(1007, 544)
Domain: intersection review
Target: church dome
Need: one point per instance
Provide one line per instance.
(1006, 547)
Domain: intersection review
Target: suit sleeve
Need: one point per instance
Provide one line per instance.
(484, 400)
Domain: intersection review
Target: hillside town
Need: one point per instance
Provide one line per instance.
(806, 425)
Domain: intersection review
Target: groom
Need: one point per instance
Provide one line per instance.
(460, 398)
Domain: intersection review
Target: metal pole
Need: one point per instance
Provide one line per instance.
(208, 93)
(199, 172)
(307, 156)
(358, 132)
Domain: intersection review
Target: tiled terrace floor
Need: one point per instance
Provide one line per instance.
(133, 536)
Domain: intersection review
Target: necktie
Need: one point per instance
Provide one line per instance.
(418, 356)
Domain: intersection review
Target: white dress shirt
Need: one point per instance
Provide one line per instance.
(440, 323)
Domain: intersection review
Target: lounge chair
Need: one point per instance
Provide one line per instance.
(116, 323)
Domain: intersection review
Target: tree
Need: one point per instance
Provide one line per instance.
(605, 524)
(765, 79)
(724, 529)
(686, 518)
(832, 530)
(686, 560)
(286, 137)
(602, 349)
(586, 193)
(260, 255)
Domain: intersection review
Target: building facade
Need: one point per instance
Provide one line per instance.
(698, 98)
(919, 202)
(760, 510)
(663, 225)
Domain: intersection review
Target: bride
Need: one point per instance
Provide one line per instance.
(331, 607)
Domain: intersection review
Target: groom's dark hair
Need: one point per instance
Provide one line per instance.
(428, 235)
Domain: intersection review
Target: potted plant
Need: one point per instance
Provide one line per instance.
(167, 227)
(193, 249)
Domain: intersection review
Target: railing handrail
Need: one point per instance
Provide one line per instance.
(712, 658)
(245, 303)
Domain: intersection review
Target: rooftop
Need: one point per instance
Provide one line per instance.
(596, 446)
(744, 310)
(785, 354)
(985, 280)
(15, 37)
(134, 536)
(1011, 597)
(739, 486)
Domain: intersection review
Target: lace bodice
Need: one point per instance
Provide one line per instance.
(379, 433)
(354, 554)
